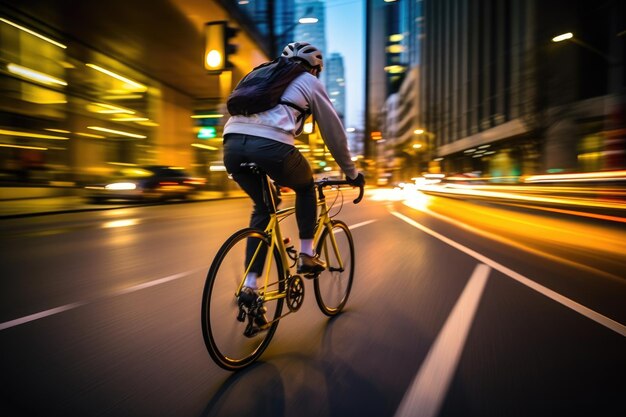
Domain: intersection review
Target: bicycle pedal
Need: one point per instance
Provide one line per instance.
(247, 297)
(311, 275)
(241, 315)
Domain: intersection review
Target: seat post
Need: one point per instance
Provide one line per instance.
(268, 195)
(266, 187)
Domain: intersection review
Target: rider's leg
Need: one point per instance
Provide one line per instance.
(298, 176)
(237, 150)
(285, 165)
(295, 172)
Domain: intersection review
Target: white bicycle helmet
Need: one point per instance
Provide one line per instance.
(305, 52)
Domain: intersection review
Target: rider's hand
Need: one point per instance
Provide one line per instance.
(358, 181)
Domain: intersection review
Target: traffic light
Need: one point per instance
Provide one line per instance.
(217, 47)
(231, 48)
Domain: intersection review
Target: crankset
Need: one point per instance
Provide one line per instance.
(295, 293)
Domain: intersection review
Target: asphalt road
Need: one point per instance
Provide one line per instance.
(458, 309)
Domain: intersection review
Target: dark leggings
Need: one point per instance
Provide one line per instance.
(285, 165)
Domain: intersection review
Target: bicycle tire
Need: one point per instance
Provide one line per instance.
(332, 287)
(218, 300)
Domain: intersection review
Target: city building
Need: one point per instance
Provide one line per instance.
(500, 93)
(84, 94)
(392, 105)
(503, 95)
(405, 150)
(336, 84)
(275, 19)
(314, 34)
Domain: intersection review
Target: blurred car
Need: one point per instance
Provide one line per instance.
(145, 183)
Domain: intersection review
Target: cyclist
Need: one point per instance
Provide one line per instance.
(268, 138)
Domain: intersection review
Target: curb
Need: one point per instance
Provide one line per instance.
(113, 207)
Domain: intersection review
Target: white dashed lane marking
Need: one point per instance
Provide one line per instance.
(138, 287)
(429, 388)
(71, 306)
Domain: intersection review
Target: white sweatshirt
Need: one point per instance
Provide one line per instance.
(279, 123)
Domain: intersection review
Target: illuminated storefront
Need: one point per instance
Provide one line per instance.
(83, 95)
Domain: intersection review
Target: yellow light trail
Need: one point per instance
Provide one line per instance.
(135, 84)
(37, 148)
(32, 32)
(33, 75)
(207, 116)
(199, 145)
(117, 132)
(576, 177)
(572, 202)
(30, 135)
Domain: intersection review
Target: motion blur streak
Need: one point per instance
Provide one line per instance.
(526, 229)
(133, 84)
(611, 193)
(120, 223)
(518, 243)
(473, 192)
(569, 303)
(33, 75)
(574, 213)
(579, 177)
(32, 32)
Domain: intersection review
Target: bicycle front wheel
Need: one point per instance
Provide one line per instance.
(333, 285)
(223, 332)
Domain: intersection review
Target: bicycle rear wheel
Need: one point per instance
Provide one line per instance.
(333, 285)
(223, 332)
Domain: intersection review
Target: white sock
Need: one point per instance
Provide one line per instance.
(306, 246)
(250, 281)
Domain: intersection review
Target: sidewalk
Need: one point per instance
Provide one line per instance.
(18, 203)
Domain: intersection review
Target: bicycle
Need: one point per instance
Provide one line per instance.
(229, 327)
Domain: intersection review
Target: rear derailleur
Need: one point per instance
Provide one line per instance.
(253, 309)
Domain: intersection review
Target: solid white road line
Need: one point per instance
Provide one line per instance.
(428, 390)
(56, 310)
(569, 303)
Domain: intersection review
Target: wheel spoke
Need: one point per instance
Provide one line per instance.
(333, 285)
(231, 342)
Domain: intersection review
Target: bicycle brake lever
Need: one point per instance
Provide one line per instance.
(360, 197)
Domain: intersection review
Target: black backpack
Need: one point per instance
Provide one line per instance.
(262, 88)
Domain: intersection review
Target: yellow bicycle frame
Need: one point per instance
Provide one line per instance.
(277, 242)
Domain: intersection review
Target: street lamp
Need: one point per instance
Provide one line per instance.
(615, 69)
(562, 37)
(306, 19)
(570, 36)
